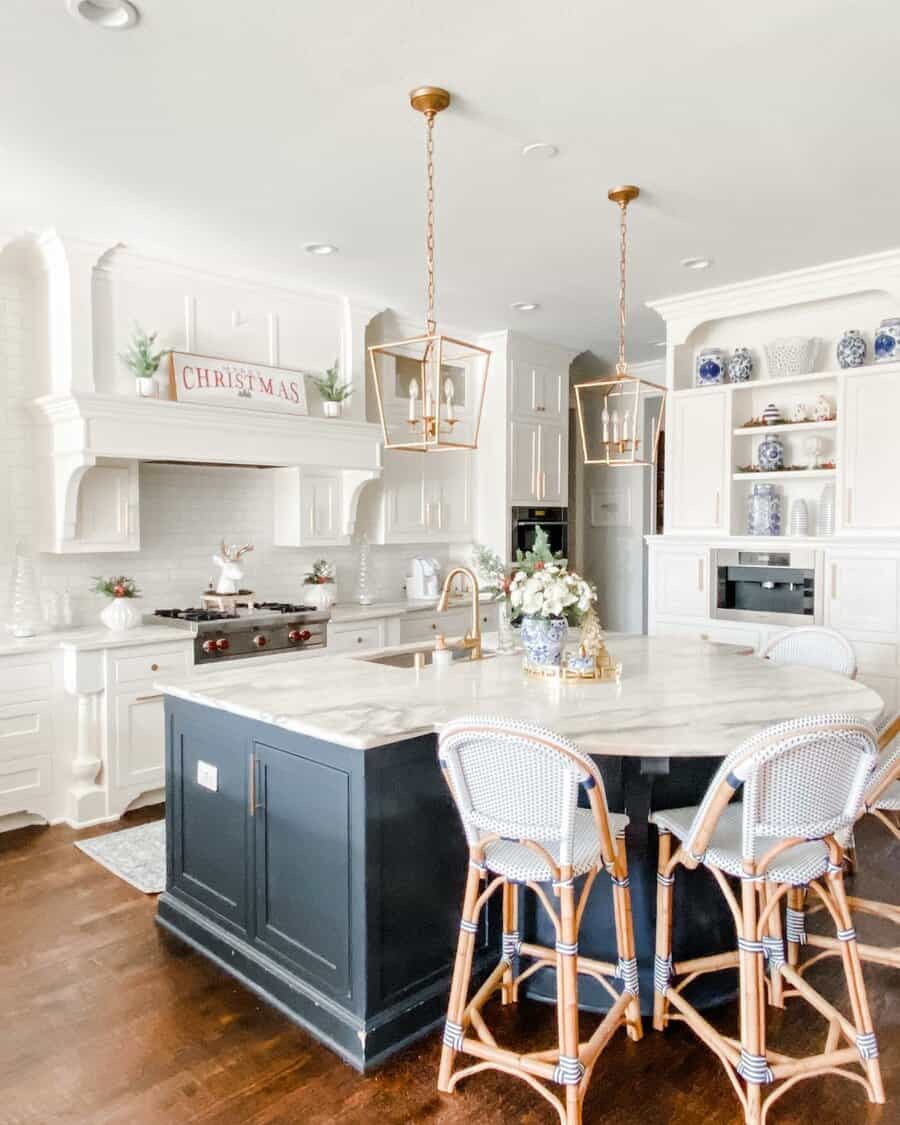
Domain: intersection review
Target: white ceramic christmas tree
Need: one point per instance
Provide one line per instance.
(364, 592)
(25, 597)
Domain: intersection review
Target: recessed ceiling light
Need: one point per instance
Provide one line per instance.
(112, 15)
(525, 306)
(540, 150)
(321, 248)
(696, 263)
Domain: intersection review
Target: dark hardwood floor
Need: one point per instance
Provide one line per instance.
(106, 1019)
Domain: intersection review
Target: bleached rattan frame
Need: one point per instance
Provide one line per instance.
(749, 1062)
(831, 649)
(570, 1063)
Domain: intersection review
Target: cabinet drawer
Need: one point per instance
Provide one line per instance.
(24, 728)
(876, 656)
(425, 626)
(24, 784)
(355, 637)
(145, 665)
(25, 679)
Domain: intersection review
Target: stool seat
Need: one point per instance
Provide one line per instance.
(796, 865)
(522, 864)
(889, 801)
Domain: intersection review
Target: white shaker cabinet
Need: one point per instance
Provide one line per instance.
(680, 582)
(539, 392)
(139, 736)
(870, 499)
(538, 463)
(108, 509)
(554, 468)
(448, 494)
(425, 497)
(861, 593)
(697, 438)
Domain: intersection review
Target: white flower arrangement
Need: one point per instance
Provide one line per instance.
(550, 591)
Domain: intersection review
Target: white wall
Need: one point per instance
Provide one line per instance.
(185, 509)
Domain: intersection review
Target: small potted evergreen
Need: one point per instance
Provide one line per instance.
(319, 586)
(332, 391)
(142, 361)
(119, 613)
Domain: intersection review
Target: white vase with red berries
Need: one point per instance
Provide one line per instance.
(120, 612)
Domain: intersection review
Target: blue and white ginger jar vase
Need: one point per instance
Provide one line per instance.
(543, 639)
(770, 455)
(740, 365)
(851, 349)
(887, 341)
(710, 367)
(764, 510)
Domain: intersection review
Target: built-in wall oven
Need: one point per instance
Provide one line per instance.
(776, 587)
(555, 521)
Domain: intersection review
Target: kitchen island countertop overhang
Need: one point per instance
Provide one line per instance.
(678, 697)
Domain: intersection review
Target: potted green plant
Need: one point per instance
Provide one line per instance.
(142, 361)
(119, 613)
(332, 391)
(319, 586)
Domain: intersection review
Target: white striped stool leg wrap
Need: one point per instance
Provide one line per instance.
(567, 949)
(665, 880)
(662, 974)
(453, 1035)
(564, 883)
(754, 1069)
(627, 971)
(773, 947)
(512, 946)
(620, 882)
(748, 946)
(847, 935)
(867, 1045)
(833, 868)
(479, 867)
(468, 927)
(795, 925)
(569, 1071)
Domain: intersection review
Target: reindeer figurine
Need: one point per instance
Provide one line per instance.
(232, 571)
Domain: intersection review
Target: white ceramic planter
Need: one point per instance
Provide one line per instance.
(332, 409)
(146, 388)
(120, 614)
(320, 595)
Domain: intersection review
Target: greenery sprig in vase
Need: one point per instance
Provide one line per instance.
(119, 613)
(332, 391)
(142, 360)
(319, 585)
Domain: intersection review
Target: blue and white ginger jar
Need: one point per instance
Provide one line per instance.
(710, 367)
(543, 639)
(764, 510)
(887, 341)
(740, 365)
(851, 349)
(770, 455)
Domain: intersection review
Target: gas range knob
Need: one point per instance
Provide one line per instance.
(222, 644)
(260, 641)
(295, 636)
(209, 646)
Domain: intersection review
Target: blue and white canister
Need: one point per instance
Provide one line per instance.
(851, 349)
(710, 367)
(770, 455)
(543, 639)
(887, 341)
(764, 510)
(740, 365)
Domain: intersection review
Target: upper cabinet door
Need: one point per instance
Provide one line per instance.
(523, 462)
(448, 500)
(539, 392)
(554, 468)
(108, 508)
(321, 509)
(870, 500)
(405, 498)
(697, 439)
(307, 508)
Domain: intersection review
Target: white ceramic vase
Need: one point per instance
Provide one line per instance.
(826, 511)
(320, 595)
(146, 388)
(120, 614)
(332, 409)
(799, 518)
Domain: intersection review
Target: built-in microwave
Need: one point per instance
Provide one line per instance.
(555, 521)
(776, 587)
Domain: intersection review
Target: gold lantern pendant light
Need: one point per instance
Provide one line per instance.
(429, 389)
(617, 406)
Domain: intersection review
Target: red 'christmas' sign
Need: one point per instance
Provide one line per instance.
(228, 382)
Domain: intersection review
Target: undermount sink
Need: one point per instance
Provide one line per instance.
(407, 659)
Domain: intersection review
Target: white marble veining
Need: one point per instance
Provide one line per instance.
(678, 697)
(91, 637)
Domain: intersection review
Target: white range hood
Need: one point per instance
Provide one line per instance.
(81, 431)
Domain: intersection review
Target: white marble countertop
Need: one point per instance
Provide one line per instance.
(678, 697)
(349, 611)
(91, 637)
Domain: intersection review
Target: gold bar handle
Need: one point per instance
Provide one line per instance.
(700, 575)
(251, 789)
(849, 506)
(834, 584)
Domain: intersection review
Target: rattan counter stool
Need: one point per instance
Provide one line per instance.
(803, 784)
(516, 788)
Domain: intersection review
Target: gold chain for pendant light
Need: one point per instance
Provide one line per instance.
(429, 223)
(623, 235)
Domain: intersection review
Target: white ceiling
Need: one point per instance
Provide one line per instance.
(764, 135)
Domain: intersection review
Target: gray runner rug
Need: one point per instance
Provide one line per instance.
(137, 855)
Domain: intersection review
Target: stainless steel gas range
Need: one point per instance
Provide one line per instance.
(269, 628)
